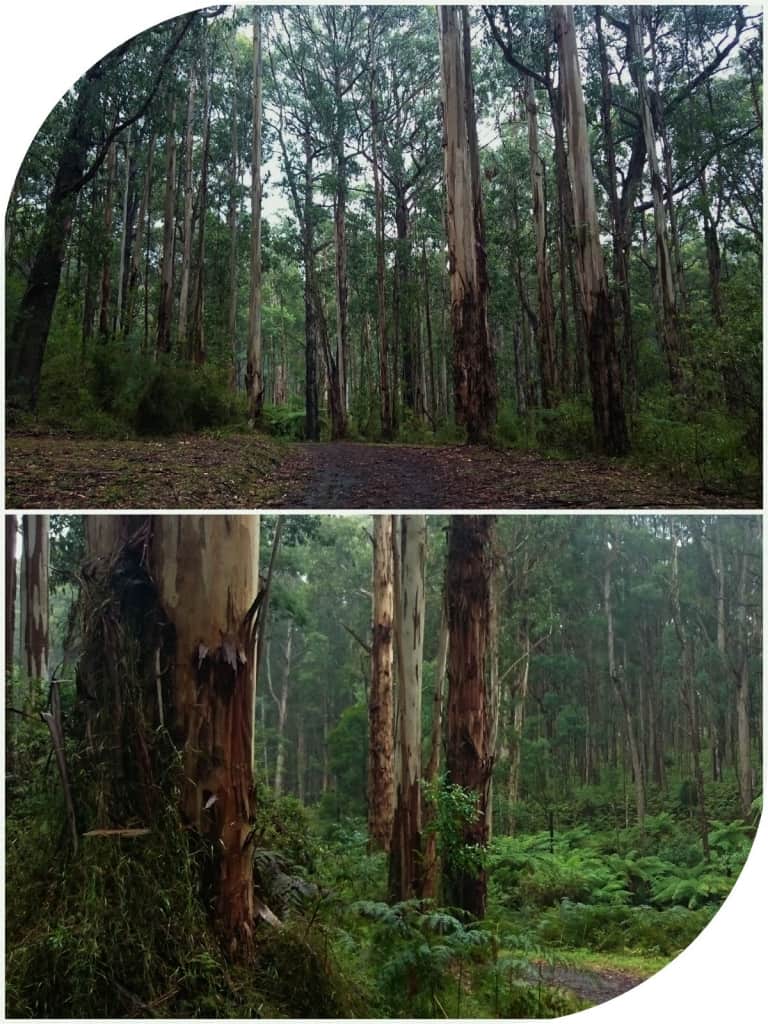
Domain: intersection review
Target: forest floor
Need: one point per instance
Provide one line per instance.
(256, 471)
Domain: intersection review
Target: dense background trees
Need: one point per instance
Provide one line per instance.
(617, 231)
(554, 722)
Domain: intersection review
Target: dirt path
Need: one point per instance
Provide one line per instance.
(596, 986)
(349, 475)
(254, 471)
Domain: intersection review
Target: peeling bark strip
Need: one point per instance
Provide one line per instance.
(381, 783)
(206, 572)
(605, 378)
(469, 757)
(410, 545)
(473, 365)
(35, 533)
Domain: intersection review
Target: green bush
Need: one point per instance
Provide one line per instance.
(176, 399)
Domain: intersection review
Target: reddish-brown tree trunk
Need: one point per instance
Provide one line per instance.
(470, 732)
(381, 781)
(36, 545)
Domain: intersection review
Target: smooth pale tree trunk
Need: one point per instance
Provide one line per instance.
(474, 371)
(516, 723)
(470, 726)
(605, 377)
(617, 681)
(381, 780)
(186, 229)
(550, 384)
(205, 568)
(254, 381)
(281, 705)
(670, 340)
(405, 862)
(165, 310)
(621, 245)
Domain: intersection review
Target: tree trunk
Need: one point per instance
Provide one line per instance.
(381, 783)
(36, 547)
(281, 703)
(106, 256)
(607, 393)
(11, 529)
(378, 189)
(469, 756)
(198, 351)
(616, 676)
(687, 691)
(144, 215)
(206, 572)
(165, 310)
(550, 385)
(405, 864)
(670, 339)
(186, 231)
(254, 380)
(340, 245)
(431, 876)
(126, 227)
(621, 245)
(232, 217)
(474, 372)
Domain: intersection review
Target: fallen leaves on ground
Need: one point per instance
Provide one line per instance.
(254, 471)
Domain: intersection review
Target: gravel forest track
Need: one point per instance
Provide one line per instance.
(244, 471)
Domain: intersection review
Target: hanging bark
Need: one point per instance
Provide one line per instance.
(670, 340)
(381, 783)
(470, 729)
(405, 862)
(474, 372)
(607, 393)
(254, 381)
(548, 370)
(165, 310)
(205, 569)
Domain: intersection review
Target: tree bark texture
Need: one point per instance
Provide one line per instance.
(165, 310)
(405, 865)
(469, 747)
(381, 781)
(605, 377)
(474, 371)
(36, 548)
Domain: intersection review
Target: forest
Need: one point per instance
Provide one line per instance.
(372, 766)
(538, 228)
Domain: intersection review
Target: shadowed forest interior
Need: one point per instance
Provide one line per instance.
(372, 766)
(539, 227)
